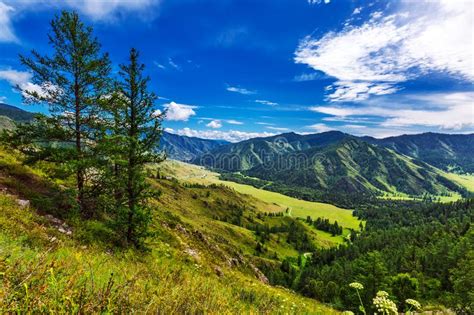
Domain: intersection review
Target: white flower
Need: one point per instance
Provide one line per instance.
(356, 285)
(384, 305)
(413, 303)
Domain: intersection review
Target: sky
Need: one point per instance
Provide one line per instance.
(234, 70)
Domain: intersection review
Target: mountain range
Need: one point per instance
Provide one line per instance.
(329, 162)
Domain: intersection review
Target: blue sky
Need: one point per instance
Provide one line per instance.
(238, 69)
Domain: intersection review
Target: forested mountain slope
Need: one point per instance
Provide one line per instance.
(445, 151)
(333, 162)
(185, 148)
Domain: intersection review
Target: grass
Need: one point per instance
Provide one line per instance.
(465, 180)
(273, 202)
(45, 271)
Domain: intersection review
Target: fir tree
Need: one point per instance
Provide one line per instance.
(135, 137)
(71, 82)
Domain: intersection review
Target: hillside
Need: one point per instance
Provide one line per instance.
(6, 123)
(247, 154)
(15, 113)
(445, 151)
(186, 148)
(204, 254)
(330, 162)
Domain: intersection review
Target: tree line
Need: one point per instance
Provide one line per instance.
(102, 129)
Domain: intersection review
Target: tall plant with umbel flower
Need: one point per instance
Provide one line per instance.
(414, 305)
(358, 286)
(384, 305)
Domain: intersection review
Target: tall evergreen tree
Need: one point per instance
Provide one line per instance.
(72, 82)
(136, 133)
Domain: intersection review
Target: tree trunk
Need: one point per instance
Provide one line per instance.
(79, 169)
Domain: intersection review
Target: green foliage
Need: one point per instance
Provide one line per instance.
(411, 250)
(72, 79)
(130, 145)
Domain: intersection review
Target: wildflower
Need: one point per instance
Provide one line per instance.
(356, 285)
(413, 304)
(347, 313)
(384, 305)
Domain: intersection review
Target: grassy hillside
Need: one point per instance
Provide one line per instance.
(273, 202)
(199, 260)
(6, 123)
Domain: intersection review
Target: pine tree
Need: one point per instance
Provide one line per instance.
(71, 82)
(136, 134)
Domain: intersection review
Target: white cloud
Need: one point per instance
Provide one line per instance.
(6, 31)
(234, 122)
(372, 59)
(320, 127)
(453, 111)
(319, 1)
(179, 112)
(308, 77)
(15, 77)
(107, 9)
(240, 90)
(216, 124)
(264, 102)
(231, 135)
(173, 64)
(264, 123)
(159, 65)
(157, 113)
(22, 80)
(357, 11)
(277, 128)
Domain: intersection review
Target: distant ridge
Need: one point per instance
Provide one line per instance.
(15, 113)
(185, 148)
(450, 152)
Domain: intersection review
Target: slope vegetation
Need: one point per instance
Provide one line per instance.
(202, 254)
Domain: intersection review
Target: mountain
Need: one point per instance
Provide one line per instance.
(445, 151)
(185, 148)
(331, 162)
(15, 113)
(247, 154)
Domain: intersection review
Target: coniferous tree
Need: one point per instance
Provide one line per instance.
(136, 133)
(71, 82)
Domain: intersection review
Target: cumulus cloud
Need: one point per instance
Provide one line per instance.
(22, 80)
(231, 135)
(179, 112)
(264, 102)
(216, 124)
(240, 90)
(375, 57)
(453, 111)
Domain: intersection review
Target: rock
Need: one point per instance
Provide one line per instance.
(181, 228)
(218, 271)
(192, 252)
(23, 203)
(260, 276)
